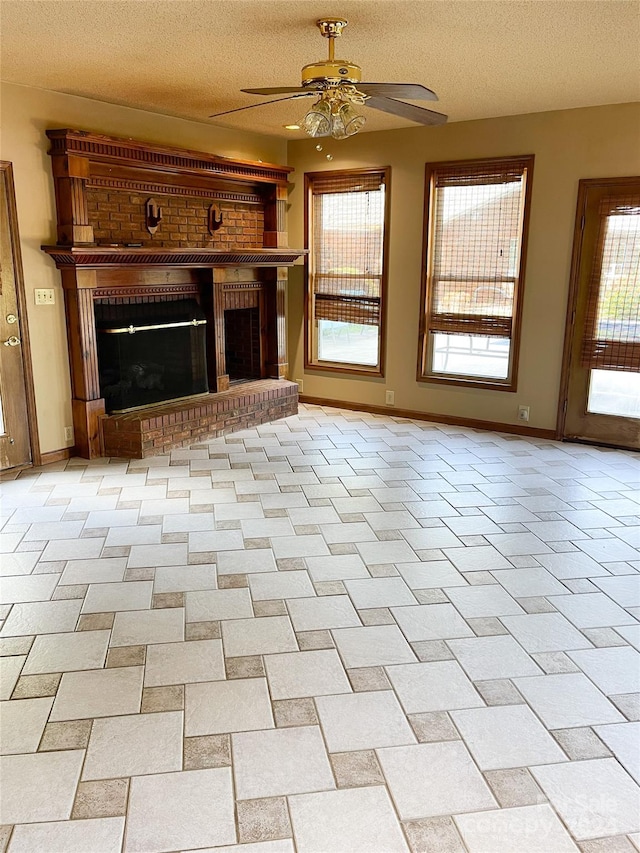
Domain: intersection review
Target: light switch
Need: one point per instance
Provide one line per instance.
(45, 296)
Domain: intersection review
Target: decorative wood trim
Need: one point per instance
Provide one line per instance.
(263, 335)
(220, 376)
(87, 415)
(146, 290)
(109, 149)
(242, 285)
(36, 455)
(275, 218)
(52, 456)
(471, 423)
(156, 188)
(237, 298)
(110, 256)
(82, 343)
(275, 322)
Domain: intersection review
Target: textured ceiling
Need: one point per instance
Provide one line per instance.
(190, 58)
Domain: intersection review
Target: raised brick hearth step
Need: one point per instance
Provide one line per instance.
(148, 432)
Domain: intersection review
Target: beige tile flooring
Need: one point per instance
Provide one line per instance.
(337, 633)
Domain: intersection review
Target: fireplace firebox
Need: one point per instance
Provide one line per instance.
(242, 343)
(150, 353)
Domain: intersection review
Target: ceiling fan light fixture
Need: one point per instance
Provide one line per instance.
(317, 121)
(332, 115)
(350, 120)
(337, 84)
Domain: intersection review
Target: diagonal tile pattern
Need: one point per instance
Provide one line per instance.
(339, 632)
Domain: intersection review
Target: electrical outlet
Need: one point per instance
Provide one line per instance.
(389, 398)
(45, 296)
(300, 385)
(523, 413)
(68, 433)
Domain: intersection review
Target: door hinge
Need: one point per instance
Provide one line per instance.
(564, 407)
(582, 222)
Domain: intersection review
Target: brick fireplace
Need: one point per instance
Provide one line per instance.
(174, 267)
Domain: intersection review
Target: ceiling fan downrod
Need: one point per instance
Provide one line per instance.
(331, 28)
(332, 70)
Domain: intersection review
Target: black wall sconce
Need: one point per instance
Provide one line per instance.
(152, 215)
(214, 219)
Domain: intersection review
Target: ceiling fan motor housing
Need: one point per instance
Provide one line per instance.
(331, 71)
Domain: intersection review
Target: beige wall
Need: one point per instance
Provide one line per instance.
(568, 145)
(25, 115)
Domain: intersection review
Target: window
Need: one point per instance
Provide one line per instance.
(612, 334)
(346, 214)
(611, 343)
(475, 231)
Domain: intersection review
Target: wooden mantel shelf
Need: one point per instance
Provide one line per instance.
(119, 256)
(103, 152)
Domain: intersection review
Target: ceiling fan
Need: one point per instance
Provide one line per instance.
(336, 83)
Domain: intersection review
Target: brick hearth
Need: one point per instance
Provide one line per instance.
(148, 432)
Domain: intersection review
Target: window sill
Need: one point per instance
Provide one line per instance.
(471, 382)
(352, 369)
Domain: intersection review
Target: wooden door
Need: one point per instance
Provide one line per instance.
(16, 433)
(600, 395)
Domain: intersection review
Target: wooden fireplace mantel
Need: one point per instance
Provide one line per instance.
(218, 231)
(97, 147)
(84, 161)
(127, 256)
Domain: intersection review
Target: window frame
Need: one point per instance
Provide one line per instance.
(426, 337)
(311, 361)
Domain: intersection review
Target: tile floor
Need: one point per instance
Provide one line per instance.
(340, 632)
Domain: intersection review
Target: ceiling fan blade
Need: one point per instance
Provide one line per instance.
(262, 104)
(410, 91)
(399, 108)
(276, 90)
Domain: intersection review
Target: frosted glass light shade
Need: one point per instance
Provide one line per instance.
(317, 122)
(348, 122)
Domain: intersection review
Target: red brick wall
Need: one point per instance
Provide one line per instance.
(119, 217)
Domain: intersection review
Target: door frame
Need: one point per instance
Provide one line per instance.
(584, 186)
(6, 175)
